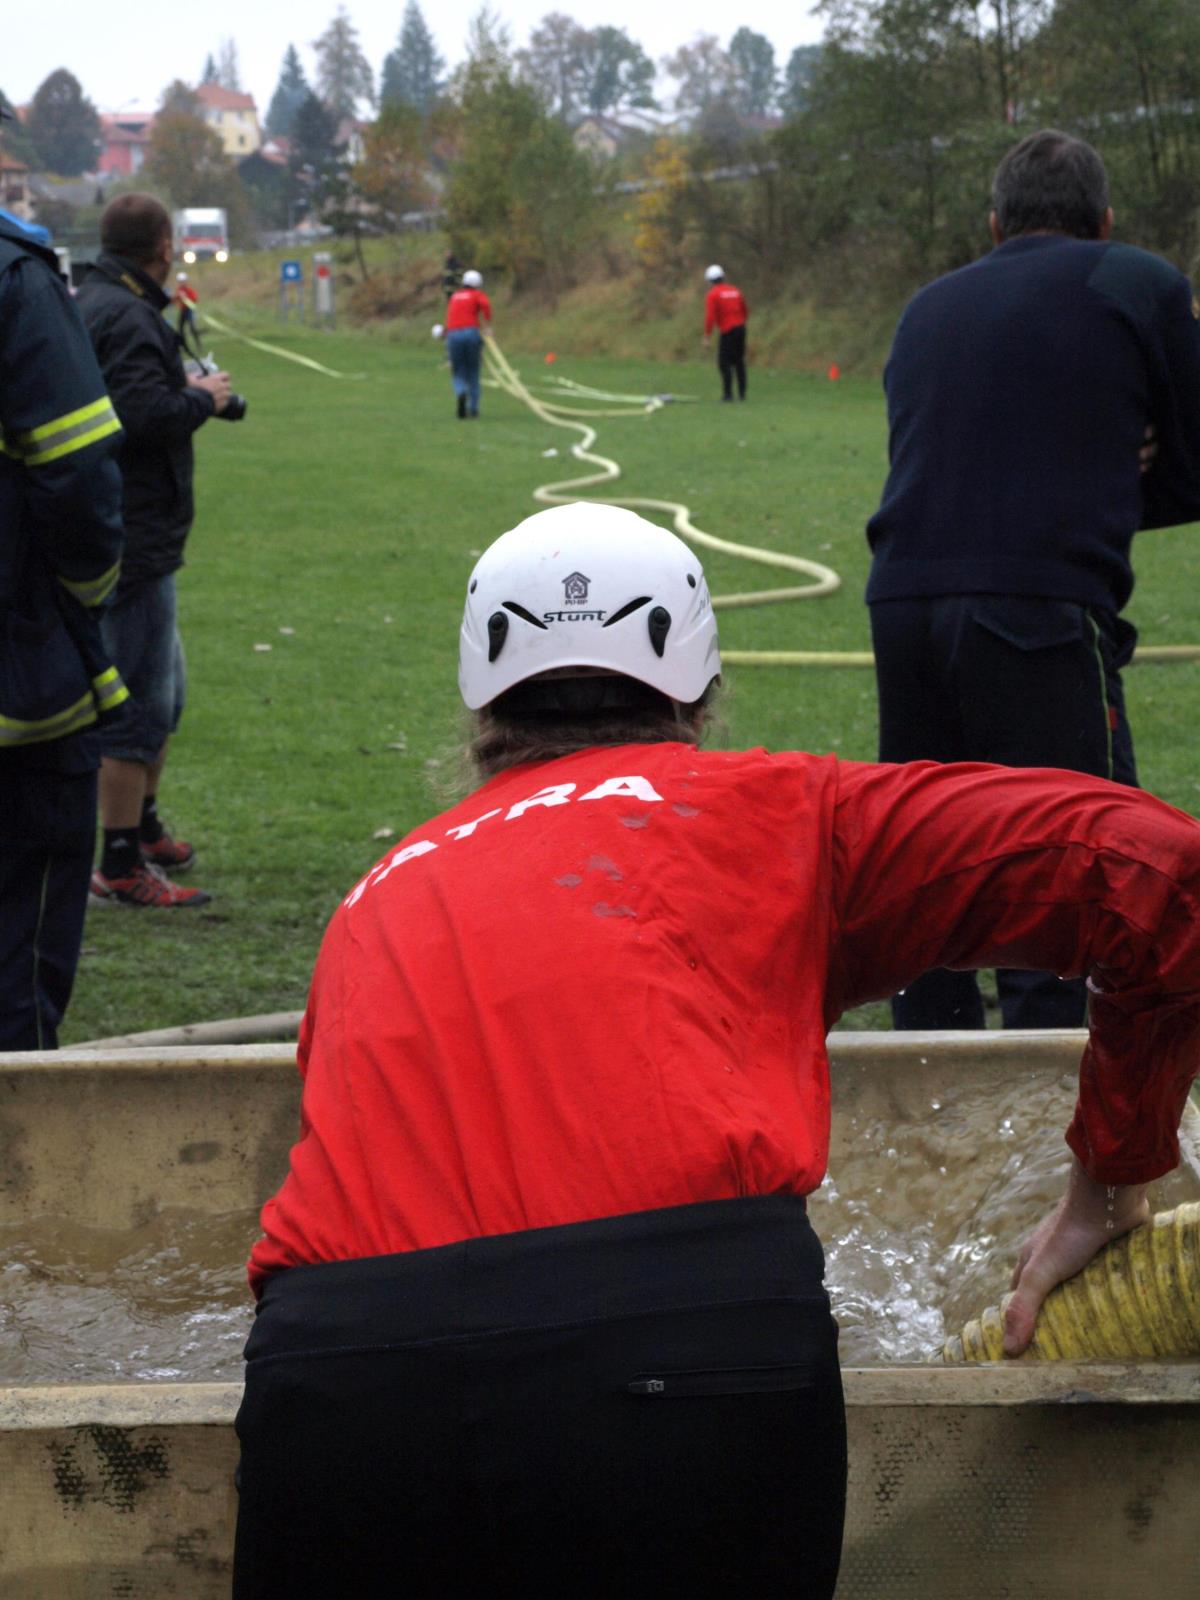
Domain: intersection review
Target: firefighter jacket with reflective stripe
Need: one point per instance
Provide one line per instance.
(60, 506)
(138, 351)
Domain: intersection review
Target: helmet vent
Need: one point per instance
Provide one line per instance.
(520, 611)
(691, 577)
(631, 606)
(497, 633)
(659, 622)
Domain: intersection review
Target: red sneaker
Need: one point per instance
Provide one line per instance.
(145, 886)
(169, 855)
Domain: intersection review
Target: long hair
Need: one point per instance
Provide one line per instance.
(542, 720)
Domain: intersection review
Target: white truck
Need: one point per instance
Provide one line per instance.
(201, 234)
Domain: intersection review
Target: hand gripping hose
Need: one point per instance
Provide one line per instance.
(1139, 1297)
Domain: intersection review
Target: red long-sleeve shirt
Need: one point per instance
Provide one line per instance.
(602, 984)
(725, 306)
(467, 308)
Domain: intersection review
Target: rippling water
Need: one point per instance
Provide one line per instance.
(165, 1303)
(932, 1186)
(922, 1216)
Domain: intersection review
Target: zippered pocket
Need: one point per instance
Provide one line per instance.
(665, 1385)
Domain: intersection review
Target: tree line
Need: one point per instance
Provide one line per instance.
(859, 168)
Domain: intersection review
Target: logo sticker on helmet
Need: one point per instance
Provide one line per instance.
(575, 589)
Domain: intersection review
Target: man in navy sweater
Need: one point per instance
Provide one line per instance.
(1043, 405)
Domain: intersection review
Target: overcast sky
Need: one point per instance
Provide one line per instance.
(127, 57)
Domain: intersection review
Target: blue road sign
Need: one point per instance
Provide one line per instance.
(289, 272)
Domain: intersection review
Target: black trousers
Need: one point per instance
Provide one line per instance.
(731, 361)
(47, 837)
(645, 1405)
(1022, 682)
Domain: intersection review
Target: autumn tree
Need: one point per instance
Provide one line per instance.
(186, 158)
(553, 62)
(63, 125)
(703, 71)
(520, 196)
(412, 72)
(392, 175)
(344, 76)
(660, 214)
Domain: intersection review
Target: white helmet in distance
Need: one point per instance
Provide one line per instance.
(714, 274)
(472, 279)
(593, 586)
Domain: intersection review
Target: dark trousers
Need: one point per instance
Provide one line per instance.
(47, 836)
(1022, 682)
(731, 360)
(641, 1406)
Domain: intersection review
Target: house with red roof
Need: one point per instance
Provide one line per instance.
(232, 115)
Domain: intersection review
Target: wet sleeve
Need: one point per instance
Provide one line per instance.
(968, 866)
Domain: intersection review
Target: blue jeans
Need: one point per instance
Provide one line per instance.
(465, 349)
(141, 636)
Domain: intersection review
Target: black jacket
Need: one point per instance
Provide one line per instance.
(60, 508)
(140, 358)
(1019, 389)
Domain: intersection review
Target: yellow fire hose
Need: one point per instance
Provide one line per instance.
(558, 415)
(824, 580)
(1138, 1298)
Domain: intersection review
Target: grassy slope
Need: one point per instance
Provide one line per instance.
(349, 512)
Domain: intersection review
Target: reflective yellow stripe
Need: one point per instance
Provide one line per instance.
(14, 731)
(92, 591)
(39, 458)
(115, 696)
(70, 420)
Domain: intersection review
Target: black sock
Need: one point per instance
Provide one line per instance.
(151, 829)
(121, 853)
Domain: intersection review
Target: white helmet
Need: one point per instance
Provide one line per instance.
(587, 585)
(714, 274)
(472, 279)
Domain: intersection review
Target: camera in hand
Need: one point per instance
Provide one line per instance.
(204, 367)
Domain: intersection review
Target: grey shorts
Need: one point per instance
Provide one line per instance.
(141, 636)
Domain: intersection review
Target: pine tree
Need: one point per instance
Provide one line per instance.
(210, 73)
(412, 71)
(290, 94)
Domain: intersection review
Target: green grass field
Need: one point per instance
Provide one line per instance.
(337, 525)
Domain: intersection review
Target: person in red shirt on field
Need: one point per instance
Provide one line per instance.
(466, 310)
(540, 1304)
(725, 308)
